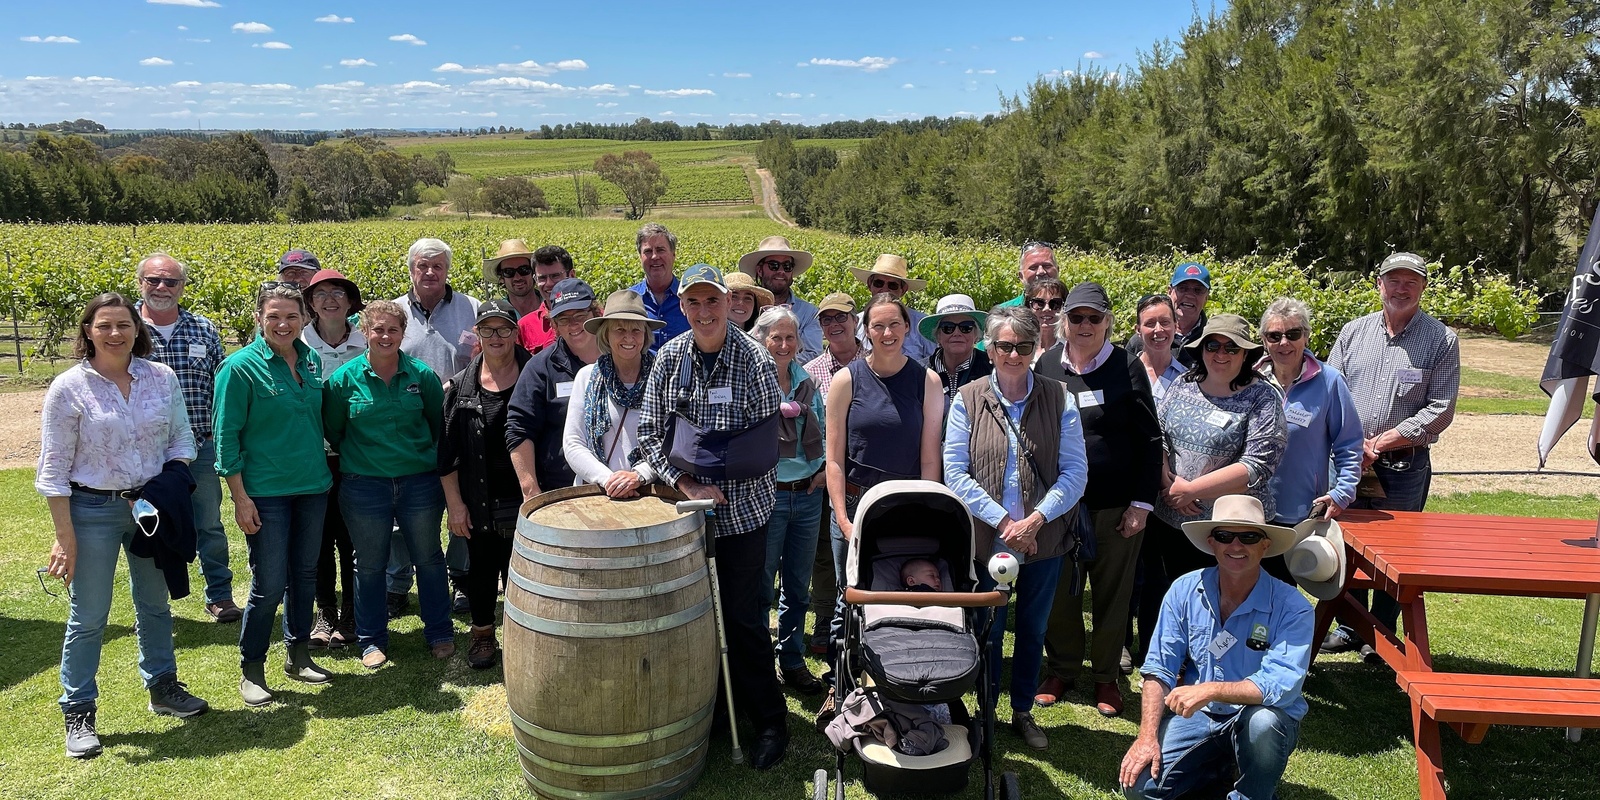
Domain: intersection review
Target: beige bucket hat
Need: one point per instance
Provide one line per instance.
(774, 246)
(742, 282)
(890, 266)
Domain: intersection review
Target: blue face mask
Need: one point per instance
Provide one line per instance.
(146, 516)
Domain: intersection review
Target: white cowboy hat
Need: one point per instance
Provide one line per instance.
(1240, 511)
(889, 266)
(1318, 563)
(774, 246)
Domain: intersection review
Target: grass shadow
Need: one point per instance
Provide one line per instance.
(32, 646)
(216, 733)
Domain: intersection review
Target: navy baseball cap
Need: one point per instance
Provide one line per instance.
(302, 259)
(570, 294)
(1191, 271)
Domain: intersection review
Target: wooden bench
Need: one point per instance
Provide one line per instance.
(1470, 703)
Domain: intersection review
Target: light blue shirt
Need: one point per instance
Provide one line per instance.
(1186, 635)
(667, 310)
(1324, 428)
(1072, 465)
(796, 468)
(810, 330)
(1158, 389)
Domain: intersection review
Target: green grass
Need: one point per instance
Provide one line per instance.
(1505, 394)
(425, 728)
(488, 157)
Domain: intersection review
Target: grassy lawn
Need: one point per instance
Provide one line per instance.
(426, 728)
(1485, 392)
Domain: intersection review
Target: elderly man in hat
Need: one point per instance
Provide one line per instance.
(658, 253)
(1404, 370)
(1223, 676)
(1037, 260)
(956, 326)
(1189, 289)
(889, 275)
(776, 265)
(297, 267)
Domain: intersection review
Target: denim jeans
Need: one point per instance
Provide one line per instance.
(841, 551)
(212, 538)
(1406, 491)
(402, 568)
(104, 526)
(1258, 739)
(372, 508)
(1035, 595)
(283, 569)
(792, 546)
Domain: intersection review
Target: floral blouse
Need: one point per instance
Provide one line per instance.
(94, 437)
(1205, 434)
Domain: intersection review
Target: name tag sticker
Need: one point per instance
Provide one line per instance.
(467, 338)
(197, 351)
(1090, 399)
(1222, 644)
(720, 396)
(1410, 375)
(564, 389)
(1219, 418)
(1297, 416)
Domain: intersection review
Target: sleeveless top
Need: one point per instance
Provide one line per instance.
(884, 424)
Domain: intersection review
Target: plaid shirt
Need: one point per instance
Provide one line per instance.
(194, 353)
(1407, 382)
(822, 368)
(741, 367)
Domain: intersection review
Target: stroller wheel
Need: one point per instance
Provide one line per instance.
(1010, 787)
(820, 790)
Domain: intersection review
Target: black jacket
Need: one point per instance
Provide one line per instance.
(174, 543)
(463, 447)
(538, 412)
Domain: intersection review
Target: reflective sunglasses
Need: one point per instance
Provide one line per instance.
(1227, 537)
(887, 285)
(834, 319)
(1293, 335)
(1020, 348)
(967, 326)
(507, 272)
(1040, 304)
(171, 283)
(1230, 348)
(495, 333)
(1092, 319)
(786, 266)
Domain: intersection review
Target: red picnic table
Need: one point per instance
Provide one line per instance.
(1408, 555)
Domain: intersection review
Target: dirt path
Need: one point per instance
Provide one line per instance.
(769, 199)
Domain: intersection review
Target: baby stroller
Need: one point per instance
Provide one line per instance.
(917, 647)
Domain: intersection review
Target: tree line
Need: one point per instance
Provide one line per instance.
(646, 130)
(1336, 130)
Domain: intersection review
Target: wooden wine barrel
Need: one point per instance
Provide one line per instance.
(610, 646)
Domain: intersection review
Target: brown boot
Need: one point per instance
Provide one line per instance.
(482, 653)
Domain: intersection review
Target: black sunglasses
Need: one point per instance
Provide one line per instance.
(1293, 335)
(879, 283)
(1227, 537)
(267, 286)
(1230, 348)
(1040, 304)
(786, 266)
(506, 272)
(948, 328)
(170, 283)
(1092, 319)
(1020, 348)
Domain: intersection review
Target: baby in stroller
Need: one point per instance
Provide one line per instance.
(921, 575)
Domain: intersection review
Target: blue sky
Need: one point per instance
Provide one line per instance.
(337, 63)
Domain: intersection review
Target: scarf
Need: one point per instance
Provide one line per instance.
(605, 388)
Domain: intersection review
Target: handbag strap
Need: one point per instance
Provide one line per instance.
(618, 429)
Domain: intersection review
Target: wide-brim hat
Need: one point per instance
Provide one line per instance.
(1318, 562)
(742, 282)
(889, 266)
(1234, 327)
(952, 306)
(510, 248)
(351, 290)
(774, 246)
(623, 304)
(1240, 511)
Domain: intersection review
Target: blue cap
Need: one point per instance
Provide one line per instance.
(701, 274)
(568, 295)
(1191, 271)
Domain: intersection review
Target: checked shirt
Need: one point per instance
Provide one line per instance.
(1406, 382)
(194, 353)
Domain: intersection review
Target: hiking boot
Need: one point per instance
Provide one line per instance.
(829, 710)
(82, 741)
(444, 649)
(1051, 691)
(1370, 655)
(345, 632)
(322, 632)
(170, 697)
(253, 685)
(399, 603)
(801, 680)
(481, 654)
(224, 610)
(1022, 724)
(460, 605)
(300, 667)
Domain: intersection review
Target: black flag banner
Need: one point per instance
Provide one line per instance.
(1575, 353)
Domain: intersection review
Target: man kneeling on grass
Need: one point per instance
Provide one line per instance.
(1229, 655)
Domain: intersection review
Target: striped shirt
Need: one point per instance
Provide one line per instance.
(194, 353)
(1406, 383)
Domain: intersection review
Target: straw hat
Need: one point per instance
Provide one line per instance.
(622, 304)
(510, 248)
(1240, 511)
(742, 282)
(889, 266)
(774, 246)
(951, 307)
(1318, 562)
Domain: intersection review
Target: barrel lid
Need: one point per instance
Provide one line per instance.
(597, 512)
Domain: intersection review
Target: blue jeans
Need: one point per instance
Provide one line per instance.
(402, 568)
(1035, 595)
(792, 545)
(104, 526)
(372, 508)
(841, 551)
(212, 538)
(1258, 739)
(283, 569)
(1406, 491)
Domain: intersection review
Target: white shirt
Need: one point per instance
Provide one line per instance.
(336, 356)
(575, 437)
(92, 436)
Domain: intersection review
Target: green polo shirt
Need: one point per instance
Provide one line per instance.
(384, 430)
(268, 425)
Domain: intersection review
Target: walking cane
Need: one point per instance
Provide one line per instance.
(689, 507)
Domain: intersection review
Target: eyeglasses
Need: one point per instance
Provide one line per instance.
(786, 266)
(506, 272)
(966, 326)
(1035, 244)
(45, 571)
(328, 294)
(1092, 319)
(888, 286)
(485, 332)
(1020, 348)
(171, 283)
(1229, 348)
(1040, 304)
(1248, 537)
(1293, 335)
(833, 319)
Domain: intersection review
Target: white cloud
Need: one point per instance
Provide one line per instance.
(407, 38)
(789, 95)
(1094, 54)
(251, 27)
(355, 62)
(980, 72)
(189, 3)
(1016, 38)
(451, 66)
(186, 84)
(867, 64)
(415, 85)
(199, 41)
(273, 46)
(535, 68)
(50, 39)
(342, 86)
(273, 87)
(183, 27)
(155, 61)
(735, 74)
(605, 105)
(680, 93)
(908, 86)
(334, 18)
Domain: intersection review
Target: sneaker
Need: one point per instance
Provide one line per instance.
(322, 632)
(170, 697)
(444, 649)
(82, 741)
(399, 604)
(374, 658)
(800, 680)
(481, 654)
(460, 605)
(345, 633)
(1339, 641)
(829, 710)
(1126, 663)
(1108, 699)
(1023, 725)
(224, 611)
(1051, 691)
(1370, 655)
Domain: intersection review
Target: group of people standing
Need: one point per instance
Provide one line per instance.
(348, 432)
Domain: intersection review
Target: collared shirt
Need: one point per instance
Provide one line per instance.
(441, 338)
(976, 366)
(1407, 382)
(1135, 344)
(373, 424)
(538, 411)
(1186, 645)
(335, 356)
(745, 372)
(1094, 363)
(810, 329)
(666, 309)
(1164, 381)
(194, 353)
(825, 366)
(536, 331)
(798, 467)
(92, 436)
(269, 425)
